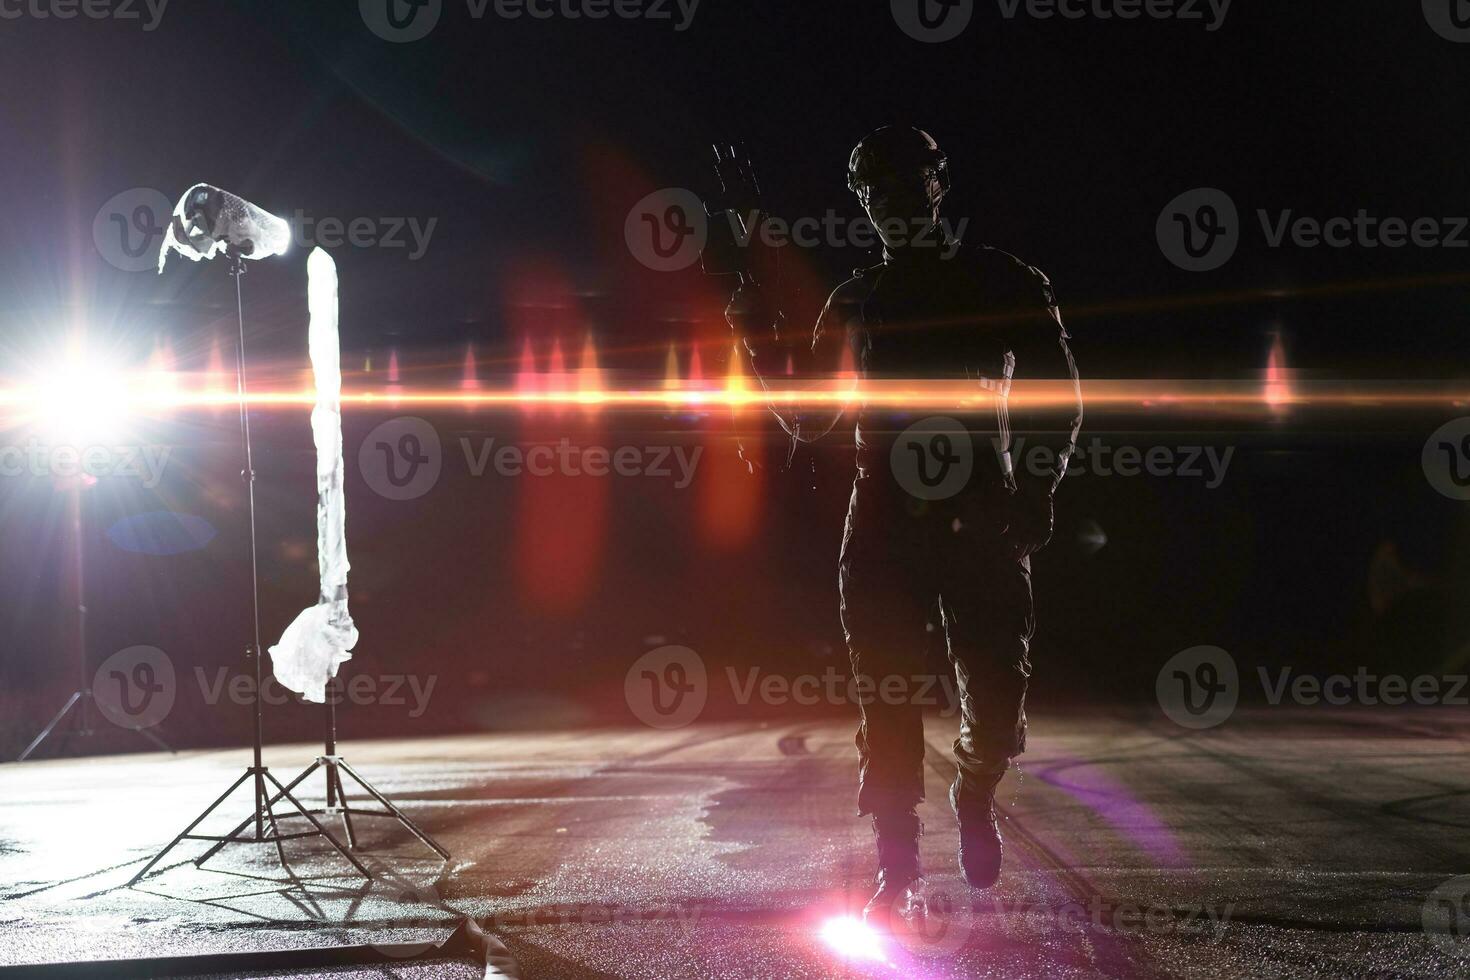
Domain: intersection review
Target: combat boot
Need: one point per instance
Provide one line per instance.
(973, 799)
(900, 881)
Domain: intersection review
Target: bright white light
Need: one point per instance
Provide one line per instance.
(852, 939)
(81, 401)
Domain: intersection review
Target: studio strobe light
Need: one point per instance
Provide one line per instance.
(206, 223)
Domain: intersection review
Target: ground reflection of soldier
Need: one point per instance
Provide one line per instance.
(935, 309)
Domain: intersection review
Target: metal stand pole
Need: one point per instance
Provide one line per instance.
(258, 774)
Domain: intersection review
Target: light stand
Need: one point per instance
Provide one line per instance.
(257, 774)
(82, 698)
(337, 802)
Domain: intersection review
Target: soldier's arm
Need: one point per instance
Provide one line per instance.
(814, 364)
(1045, 410)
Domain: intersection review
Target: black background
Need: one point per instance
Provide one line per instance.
(529, 141)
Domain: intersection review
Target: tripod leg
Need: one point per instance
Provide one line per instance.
(75, 697)
(397, 813)
(276, 833)
(153, 737)
(335, 778)
(246, 822)
(320, 829)
(190, 829)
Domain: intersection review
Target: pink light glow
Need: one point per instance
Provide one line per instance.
(852, 939)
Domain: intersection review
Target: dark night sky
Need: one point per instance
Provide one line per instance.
(528, 141)
(1066, 138)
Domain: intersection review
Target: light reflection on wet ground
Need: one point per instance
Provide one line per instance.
(1283, 842)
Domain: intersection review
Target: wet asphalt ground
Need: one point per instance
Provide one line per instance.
(1286, 842)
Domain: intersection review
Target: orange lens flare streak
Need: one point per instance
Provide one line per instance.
(145, 394)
